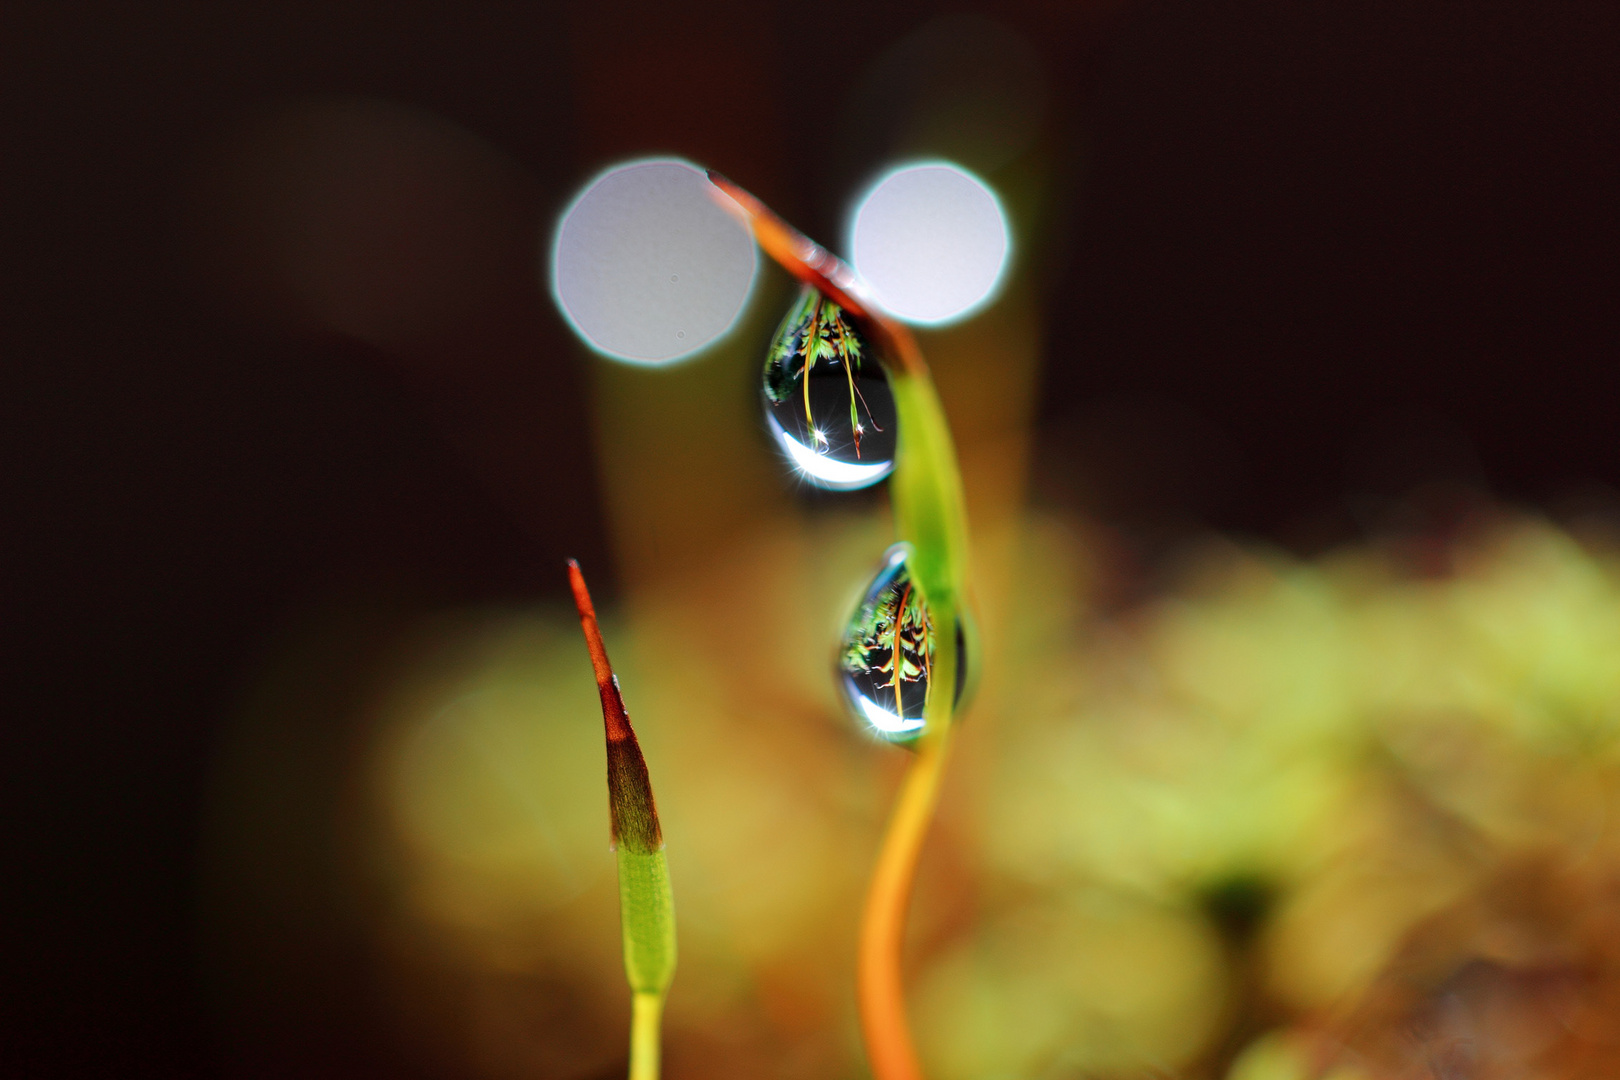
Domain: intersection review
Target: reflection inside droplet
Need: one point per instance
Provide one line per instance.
(887, 658)
(827, 401)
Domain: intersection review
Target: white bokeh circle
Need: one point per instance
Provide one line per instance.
(648, 266)
(931, 241)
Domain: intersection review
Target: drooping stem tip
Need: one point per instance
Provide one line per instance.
(815, 265)
(930, 514)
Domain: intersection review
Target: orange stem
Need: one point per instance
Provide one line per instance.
(879, 985)
(815, 265)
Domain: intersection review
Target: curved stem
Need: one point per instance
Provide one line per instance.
(815, 265)
(879, 984)
(930, 513)
(646, 1013)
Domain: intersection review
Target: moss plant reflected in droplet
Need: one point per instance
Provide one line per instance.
(886, 661)
(827, 401)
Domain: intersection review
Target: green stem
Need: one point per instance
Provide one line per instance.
(646, 903)
(930, 512)
(646, 1015)
(929, 507)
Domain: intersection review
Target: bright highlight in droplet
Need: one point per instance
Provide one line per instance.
(886, 722)
(824, 470)
(648, 266)
(931, 241)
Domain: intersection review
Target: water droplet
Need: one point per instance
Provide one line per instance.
(827, 401)
(887, 656)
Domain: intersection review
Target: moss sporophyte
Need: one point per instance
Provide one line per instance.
(646, 902)
(849, 397)
(893, 637)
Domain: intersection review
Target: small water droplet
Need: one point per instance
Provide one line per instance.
(680, 333)
(827, 401)
(886, 660)
(674, 277)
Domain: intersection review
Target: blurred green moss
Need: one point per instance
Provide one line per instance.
(1223, 812)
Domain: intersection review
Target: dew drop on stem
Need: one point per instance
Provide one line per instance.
(827, 400)
(887, 656)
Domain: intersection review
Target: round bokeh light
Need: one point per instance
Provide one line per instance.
(648, 266)
(931, 241)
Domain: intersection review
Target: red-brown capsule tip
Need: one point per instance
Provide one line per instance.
(631, 809)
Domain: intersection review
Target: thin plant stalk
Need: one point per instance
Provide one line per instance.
(646, 1020)
(883, 922)
(930, 513)
(646, 902)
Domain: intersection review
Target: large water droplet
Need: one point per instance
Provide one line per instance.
(827, 401)
(887, 658)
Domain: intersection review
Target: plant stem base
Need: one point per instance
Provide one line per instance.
(646, 1018)
(878, 975)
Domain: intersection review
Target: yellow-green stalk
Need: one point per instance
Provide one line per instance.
(646, 902)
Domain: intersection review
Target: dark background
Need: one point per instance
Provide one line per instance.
(1312, 259)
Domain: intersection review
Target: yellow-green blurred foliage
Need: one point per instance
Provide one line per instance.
(1335, 799)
